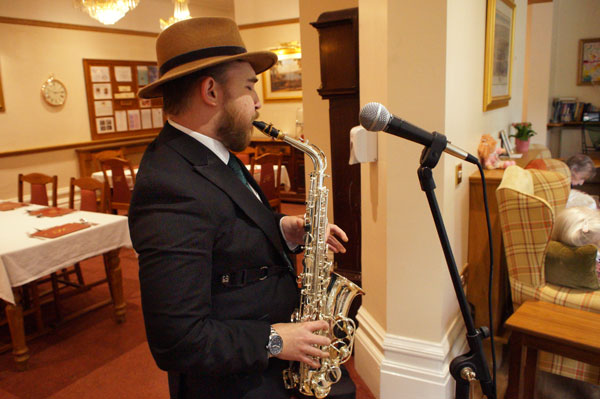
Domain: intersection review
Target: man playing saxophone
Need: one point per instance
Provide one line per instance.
(217, 285)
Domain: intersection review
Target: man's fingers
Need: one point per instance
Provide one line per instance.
(316, 352)
(334, 229)
(317, 325)
(310, 361)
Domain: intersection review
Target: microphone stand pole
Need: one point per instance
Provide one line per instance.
(471, 365)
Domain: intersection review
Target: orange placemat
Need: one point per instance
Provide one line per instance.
(51, 212)
(9, 206)
(58, 231)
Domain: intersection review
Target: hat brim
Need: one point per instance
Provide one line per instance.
(259, 60)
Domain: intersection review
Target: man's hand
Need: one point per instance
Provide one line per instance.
(298, 341)
(293, 231)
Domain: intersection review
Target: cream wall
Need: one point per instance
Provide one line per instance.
(537, 69)
(281, 113)
(573, 20)
(26, 61)
(32, 53)
(424, 62)
(145, 17)
(253, 11)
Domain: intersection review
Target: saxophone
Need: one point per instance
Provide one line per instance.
(324, 295)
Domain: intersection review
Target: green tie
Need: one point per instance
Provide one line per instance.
(237, 169)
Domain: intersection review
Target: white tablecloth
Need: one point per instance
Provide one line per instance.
(24, 259)
(285, 178)
(100, 176)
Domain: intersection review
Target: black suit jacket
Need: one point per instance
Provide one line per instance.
(191, 219)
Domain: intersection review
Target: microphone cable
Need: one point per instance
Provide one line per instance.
(491, 275)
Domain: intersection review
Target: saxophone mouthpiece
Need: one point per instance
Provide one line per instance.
(268, 129)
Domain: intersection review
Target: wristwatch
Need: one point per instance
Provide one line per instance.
(275, 344)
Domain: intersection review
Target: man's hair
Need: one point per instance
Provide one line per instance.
(583, 164)
(177, 93)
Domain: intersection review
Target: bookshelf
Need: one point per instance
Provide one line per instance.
(559, 127)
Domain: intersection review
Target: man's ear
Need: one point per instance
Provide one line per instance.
(209, 91)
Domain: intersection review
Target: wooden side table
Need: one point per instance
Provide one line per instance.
(568, 332)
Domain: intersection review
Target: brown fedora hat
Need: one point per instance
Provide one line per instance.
(197, 43)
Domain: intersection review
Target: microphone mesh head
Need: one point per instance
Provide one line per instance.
(374, 117)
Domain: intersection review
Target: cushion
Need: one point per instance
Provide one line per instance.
(537, 164)
(573, 267)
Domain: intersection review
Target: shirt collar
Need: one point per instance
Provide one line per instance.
(214, 145)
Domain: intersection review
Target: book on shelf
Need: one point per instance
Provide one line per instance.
(568, 109)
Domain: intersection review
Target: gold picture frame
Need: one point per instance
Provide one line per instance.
(588, 62)
(284, 80)
(2, 108)
(499, 38)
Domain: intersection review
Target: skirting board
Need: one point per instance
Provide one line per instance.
(399, 367)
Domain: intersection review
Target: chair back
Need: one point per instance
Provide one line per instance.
(270, 181)
(92, 194)
(98, 156)
(246, 155)
(528, 200)
(38, 182)
(121, 192)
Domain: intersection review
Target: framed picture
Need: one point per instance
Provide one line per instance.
(588, 69)
(499, 32)
(2, 109)
(284, 80)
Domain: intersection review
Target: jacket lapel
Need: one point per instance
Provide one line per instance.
(212, 168)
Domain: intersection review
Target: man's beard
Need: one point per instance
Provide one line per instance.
(232, 132)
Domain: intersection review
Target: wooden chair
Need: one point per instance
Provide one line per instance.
(92, 194)
(38, 182)
(120, 196)
(269, 182)
(92, 199)
(98, 156)
(246, 155)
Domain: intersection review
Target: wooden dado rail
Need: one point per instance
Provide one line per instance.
(38, 150)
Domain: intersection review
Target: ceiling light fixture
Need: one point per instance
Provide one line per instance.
(180, 13)
(106, 11)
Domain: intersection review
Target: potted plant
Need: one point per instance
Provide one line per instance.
(522, 136)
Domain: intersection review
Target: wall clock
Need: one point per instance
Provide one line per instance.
(54, 92)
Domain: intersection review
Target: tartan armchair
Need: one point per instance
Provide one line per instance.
(528, 201)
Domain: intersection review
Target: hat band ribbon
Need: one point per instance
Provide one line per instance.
(198, 55)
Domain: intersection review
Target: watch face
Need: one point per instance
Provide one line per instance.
(54, 92)
(275, 344)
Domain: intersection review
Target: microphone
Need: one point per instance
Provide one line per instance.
(375, 117)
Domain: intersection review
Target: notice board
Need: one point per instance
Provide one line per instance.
(114, 109)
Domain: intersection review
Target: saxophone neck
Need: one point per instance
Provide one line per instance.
(314, 153)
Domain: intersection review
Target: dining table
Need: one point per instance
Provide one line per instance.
(100, 176)
(285, 177)
(36, 241)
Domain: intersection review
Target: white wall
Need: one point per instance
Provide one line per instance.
(573, 20)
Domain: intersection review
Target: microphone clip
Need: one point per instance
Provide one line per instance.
(430, 156)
